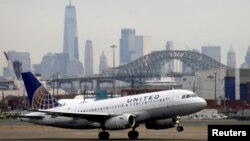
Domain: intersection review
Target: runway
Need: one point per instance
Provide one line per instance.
(16, 130)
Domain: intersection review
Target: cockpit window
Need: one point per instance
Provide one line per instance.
(188, 96)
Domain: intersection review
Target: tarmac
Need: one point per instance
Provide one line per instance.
(14, 129)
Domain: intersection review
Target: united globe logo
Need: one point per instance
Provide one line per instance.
(43, 100)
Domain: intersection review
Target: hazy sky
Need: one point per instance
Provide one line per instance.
(36, 26)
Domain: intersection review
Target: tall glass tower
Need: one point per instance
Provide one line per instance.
(70, 41)
(246, 64)
(103, 63)
(127, 46)
(88, 58)
(170, 65)
(231, 59)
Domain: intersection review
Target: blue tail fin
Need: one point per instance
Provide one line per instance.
(39, 97)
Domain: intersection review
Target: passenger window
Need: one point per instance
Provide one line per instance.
(183, 96)
(188, 96)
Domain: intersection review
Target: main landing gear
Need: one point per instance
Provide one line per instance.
(133, 135)
(103, 135)
(179, 127)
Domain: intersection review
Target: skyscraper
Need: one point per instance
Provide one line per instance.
(88, 58)
(246, 64)
(127, 46)
(170, 65)
(103, 63)
(142, 46)
(70, 41)
(212, 51)
(231, 59)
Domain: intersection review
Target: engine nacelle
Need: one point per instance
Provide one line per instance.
(120, 122)
(161, 124)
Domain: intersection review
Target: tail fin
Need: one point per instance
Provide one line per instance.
(39, 97)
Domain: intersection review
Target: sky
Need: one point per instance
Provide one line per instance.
(36, 26)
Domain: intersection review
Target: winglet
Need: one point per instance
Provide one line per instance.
(39, 97)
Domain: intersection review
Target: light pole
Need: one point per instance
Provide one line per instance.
(57, 85)
(2, 105)
(215, 87)
(113, 46)
(55, 78)
(53, 85)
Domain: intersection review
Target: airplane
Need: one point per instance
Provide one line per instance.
(157, 110)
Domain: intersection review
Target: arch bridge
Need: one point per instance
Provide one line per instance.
(150, 65)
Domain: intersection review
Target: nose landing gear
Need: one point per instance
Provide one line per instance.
(179, 127)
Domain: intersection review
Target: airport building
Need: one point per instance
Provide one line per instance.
(220, 85)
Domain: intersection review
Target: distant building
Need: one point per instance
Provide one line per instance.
(37, 69)
(89, 70)
(127, 46)
(133, 47)
(212, 51)
(61, 62)
(74, 69)
(6, 72)
(231, 59)
(170, 65)
(142, 46)
(52, 64)
(103, 63)
(70, 41)
(246, 64)
(47, 66)
(20, 61)
(23, 57)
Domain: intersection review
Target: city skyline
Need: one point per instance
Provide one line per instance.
(37, 26)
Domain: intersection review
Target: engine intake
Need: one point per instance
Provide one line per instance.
(120, 122)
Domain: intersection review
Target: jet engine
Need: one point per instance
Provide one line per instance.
(120, 122)
(161, 124)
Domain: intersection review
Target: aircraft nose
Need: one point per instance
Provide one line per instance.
(203, 103)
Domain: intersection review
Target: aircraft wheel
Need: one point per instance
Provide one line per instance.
(180, 128)
(104, 135)
(133, 135)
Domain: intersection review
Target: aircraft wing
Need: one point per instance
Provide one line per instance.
(92, 116)
(32, 117)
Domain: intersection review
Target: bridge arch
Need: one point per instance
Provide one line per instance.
(150, 64)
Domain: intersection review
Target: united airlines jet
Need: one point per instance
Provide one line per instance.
(157, 110)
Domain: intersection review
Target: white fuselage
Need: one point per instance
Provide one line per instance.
(145, 107)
